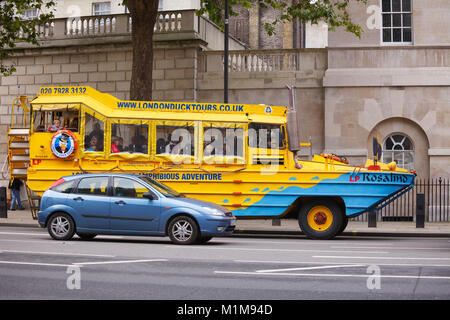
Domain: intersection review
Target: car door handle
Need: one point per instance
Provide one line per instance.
(120, 202)
(78, 198)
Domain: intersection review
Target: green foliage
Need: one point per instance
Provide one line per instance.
(14, 28)
(333, 12)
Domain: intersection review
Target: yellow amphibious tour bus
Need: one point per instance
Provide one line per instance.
(243, 157)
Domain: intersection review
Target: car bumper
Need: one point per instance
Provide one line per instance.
(218, 226)
(42, 217)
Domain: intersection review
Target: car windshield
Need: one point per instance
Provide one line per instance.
(165, 190)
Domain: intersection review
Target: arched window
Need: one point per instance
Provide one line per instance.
(399, 148)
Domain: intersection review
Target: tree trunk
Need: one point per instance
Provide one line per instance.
(143, 14)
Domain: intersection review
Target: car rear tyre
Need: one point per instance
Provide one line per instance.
(86, 236)
(183, 230)
(61, 226)
(321, 219)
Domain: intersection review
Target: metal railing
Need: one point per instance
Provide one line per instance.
(437, 203)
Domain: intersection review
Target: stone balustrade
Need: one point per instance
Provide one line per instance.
(177, 25)
(116, 24)
(264, 60)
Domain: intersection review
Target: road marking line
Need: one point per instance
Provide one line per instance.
(331, 275)
(315, 262)
(37, 241)
(382, 258)
(392, 248)
(24, 233)
(61, 253)
(36, 264)
(116, 262)
(312, 268)
(297, 241)
(276, 249)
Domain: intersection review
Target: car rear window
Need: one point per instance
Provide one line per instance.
(65, 187)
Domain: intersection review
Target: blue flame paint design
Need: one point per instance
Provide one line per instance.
(358, 196)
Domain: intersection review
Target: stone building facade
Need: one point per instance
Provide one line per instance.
(394, 82)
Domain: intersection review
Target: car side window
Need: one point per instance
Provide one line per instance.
(94, 186)
(65, 187)
(129, 188)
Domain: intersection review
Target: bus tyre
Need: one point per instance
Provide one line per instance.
(86, 236)
(321, 219)
(344, 224)
(61, 226)
(183, 230)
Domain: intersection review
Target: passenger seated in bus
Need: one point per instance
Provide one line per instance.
(178, 148)
(99, 133)
(169, 146)
(93, 144)
(120, 144)
(56, 126)
(74, 124)
(138, 143)
(210, 150)
(114, 144)
(160, 146)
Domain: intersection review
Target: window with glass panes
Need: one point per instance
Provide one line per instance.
(397, 21)
(399, 148)
(101, 8)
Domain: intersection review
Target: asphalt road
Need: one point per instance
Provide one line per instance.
(33, 266)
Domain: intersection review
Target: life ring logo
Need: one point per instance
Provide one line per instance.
(268, 110)
(63, 144)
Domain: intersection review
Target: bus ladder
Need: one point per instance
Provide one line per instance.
(19, 150)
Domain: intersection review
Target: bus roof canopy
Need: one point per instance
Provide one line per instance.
(51, 98)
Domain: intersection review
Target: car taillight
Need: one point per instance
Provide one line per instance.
(58, 182)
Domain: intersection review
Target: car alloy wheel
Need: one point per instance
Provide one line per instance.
(183, 230)
(61, 227)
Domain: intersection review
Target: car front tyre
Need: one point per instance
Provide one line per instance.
(203, 240)
(86, 236)
(61, 226)
(183, 230)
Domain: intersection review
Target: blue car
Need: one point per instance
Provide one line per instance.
(127, 204)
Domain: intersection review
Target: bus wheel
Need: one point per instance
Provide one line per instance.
(321, 219)
(344, 224)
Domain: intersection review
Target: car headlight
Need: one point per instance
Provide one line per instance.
(214, 211)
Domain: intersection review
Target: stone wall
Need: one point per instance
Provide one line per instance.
(430, 24)
(370, 91)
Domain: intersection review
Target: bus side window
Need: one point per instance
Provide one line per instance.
(94, 138)
(266, 136)
(39, 118)
(131, 138)
(223, 141)
(176, 140)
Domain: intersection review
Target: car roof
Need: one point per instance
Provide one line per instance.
(84, 175)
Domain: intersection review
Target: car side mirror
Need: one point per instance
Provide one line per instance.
(150, 196)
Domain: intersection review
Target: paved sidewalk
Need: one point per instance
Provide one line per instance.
(290, 227)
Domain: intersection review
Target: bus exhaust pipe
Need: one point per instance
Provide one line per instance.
(292, 124)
